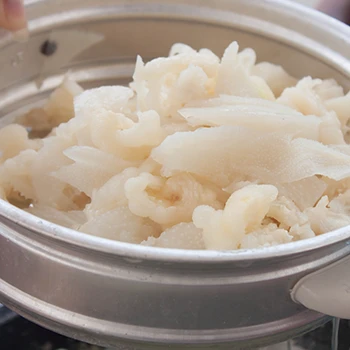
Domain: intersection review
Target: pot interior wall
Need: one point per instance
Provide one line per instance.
(112, 60)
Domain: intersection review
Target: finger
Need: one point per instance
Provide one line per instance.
(12, 15)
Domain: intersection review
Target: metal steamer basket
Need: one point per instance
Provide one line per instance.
(136, 297)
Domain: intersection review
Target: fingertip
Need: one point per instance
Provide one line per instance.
(15, 15)
(14, 8)
(21, 35)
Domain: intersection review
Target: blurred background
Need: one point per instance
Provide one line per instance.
(339, 9)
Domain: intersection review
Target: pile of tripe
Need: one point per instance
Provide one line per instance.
(198, 153)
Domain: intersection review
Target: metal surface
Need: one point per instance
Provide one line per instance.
(135, 297)
(326, 290)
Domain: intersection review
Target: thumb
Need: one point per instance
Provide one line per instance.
(12, 15)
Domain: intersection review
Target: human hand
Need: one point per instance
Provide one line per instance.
(12, 15)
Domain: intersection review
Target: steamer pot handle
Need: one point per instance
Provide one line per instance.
(327, 290)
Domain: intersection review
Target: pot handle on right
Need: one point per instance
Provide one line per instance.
(326, 290)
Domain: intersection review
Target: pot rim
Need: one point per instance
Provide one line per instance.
(140, 252)
(13, 215)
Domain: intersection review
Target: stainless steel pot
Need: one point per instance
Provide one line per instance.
(135, 297)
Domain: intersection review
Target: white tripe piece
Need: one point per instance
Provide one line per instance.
(285, 211)
(341, 203)
(60, 106)
(218, 153)
(120, 224)
(255, 117)
(165, 84)
(15, 174)
(275, 76)
(304, 193)
(231, 100)
(323, 219)
(58, 109)
(340, 105)
(232, 70)
(303, 98)
(111, 194)
(328, 89)
(181, 236)
(267, 236)
(13, 140)
(49, 190)
(244, 212)
(197, 153)
(167, 201)
(91, 168)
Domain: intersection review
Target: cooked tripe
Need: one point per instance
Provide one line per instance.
(197, 153)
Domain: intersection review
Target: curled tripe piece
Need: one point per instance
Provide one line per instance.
(244, 212)
(170, 201)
